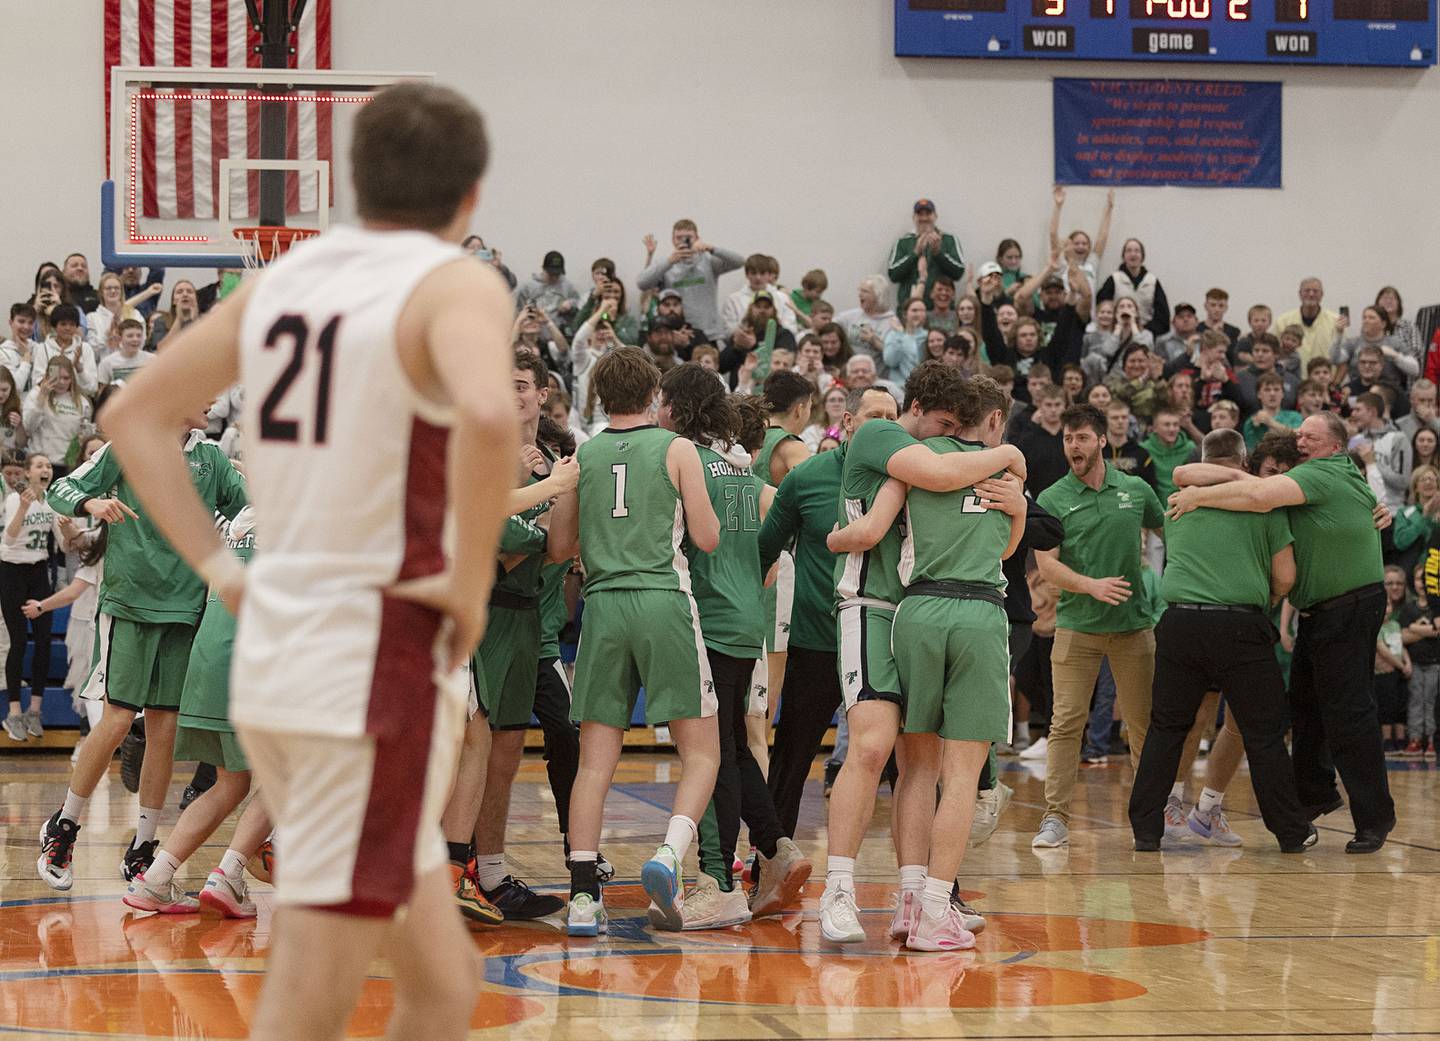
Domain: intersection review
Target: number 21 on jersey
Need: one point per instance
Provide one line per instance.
(275, 426)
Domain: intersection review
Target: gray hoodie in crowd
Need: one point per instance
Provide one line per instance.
(696, 281)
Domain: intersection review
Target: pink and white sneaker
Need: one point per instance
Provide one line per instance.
(947, 933)
(907, 910)
(166, 898)
(225, 897)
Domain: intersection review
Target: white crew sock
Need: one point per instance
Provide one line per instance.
(74, 807)
(147, 824)
(162, 871)
(1210, 799)
(840, 873)
(1177, 791)
(232, 865)
(490, 869)
(912, 878)
(679, 835)
(936, 898)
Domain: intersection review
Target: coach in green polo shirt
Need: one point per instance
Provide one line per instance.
(1342, 604)
(1097, 569)
(1222, 571)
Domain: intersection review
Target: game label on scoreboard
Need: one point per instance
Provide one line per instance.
(1394, 33)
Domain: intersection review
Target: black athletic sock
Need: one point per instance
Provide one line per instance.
(582, 878)
(459, 853)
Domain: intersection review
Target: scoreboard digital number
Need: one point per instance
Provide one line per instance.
(1394, 33)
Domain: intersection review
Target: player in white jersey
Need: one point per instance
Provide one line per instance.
(379, 413)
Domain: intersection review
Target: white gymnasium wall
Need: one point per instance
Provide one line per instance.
(790, 128)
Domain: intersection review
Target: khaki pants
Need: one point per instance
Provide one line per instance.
(1075, 665)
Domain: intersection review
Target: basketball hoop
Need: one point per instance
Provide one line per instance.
(263, 243)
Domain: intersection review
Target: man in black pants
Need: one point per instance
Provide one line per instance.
(1341, 601)
(806, 507)
(1222, 570)
(562, 738)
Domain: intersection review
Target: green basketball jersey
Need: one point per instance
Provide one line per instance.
(631, 520)
(523, 535)
(728, 582)
(205, 703)
(949, 536)
(774, 438)
(874, 574)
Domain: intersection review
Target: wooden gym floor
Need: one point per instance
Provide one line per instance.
(1093, 942)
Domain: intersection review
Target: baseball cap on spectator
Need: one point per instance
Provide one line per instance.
(923, 205)
(64, 313)
(990, 267)
(1052, 280)
(1184, 307)
(670, 322)
(666, 294)
(554, 262)
(763, 294)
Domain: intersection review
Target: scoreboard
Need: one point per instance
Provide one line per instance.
(1399, 33)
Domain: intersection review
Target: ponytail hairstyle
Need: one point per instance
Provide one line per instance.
(700, 407)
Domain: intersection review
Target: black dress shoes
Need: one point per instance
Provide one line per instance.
(1368, 840)
(1301, 847)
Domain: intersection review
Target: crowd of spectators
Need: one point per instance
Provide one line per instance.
(1164, 371)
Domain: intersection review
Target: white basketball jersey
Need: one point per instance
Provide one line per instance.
(345, 464)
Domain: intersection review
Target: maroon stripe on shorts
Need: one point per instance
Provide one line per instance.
(400, 720)
(401, 713)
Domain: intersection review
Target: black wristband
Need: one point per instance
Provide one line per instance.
(80, 506)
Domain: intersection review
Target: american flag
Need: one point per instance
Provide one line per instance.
(182, 142)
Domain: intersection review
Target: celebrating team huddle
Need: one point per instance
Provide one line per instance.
(402, 537)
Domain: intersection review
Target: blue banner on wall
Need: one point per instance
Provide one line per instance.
(1193, 133)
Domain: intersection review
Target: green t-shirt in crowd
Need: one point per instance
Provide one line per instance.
(1220, 557)
(874, 574)
(1102, 540)
(950, 536)
(145, 579)
(1165, 458)
(631, 519)
(1337, 548)
(802, 515)
(1253, 432)
(727, 582)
